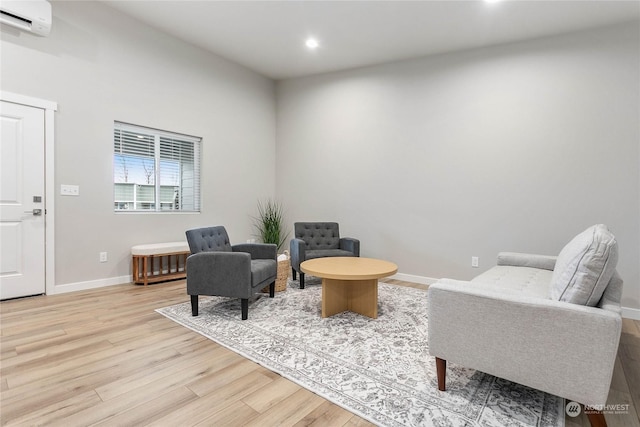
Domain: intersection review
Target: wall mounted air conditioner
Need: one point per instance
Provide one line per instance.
(33, 16)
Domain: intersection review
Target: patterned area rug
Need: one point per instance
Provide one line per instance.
(379, 369)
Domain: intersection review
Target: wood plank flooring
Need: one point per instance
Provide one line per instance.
(104, 357)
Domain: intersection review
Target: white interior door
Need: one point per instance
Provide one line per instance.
(22, 203)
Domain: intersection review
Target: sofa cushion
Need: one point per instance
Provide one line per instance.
(528, 281)
(262, 269)
(585, 267)
(328, 253)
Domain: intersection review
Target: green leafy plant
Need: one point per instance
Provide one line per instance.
(270, 223)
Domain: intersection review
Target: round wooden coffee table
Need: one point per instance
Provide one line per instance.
(349, 283)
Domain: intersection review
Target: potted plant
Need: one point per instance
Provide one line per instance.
(270, 226)
(270, 223)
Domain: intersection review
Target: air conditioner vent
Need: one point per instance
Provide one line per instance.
(12, 16)
(32, 16)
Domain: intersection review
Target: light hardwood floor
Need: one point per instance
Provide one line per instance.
(104, 357)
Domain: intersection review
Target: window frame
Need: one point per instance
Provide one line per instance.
(163, 145)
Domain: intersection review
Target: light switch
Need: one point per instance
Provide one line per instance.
(69, 190)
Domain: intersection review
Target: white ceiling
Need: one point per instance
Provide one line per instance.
(268, 36)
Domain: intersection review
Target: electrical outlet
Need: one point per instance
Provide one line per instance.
(474, 262)
(103, 257)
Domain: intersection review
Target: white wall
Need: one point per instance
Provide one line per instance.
(428, 162)
(100, 66)
(512, 148)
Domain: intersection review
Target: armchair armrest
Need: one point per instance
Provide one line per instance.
(564, 349)
(545, 262)
(350, 244)
(298, 249)
(226, 272)
(257, 250)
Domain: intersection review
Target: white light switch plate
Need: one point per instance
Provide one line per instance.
(69, 190)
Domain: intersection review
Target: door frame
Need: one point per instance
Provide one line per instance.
(49, 108)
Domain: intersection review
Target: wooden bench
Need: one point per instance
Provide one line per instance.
(158, 262)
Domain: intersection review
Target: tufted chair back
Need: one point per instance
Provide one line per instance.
(208, 239)
(318, 235)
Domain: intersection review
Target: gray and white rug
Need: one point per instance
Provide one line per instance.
(378, 368)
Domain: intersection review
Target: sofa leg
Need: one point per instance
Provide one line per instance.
(244, 303)
(272, 290)
(293, 273)
(596, 418)
(194, 305)
(301, 280)
(441, 369)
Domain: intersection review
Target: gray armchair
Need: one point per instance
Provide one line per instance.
(217, 268)
(316, 240)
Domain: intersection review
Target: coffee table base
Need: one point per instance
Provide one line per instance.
(359, 296)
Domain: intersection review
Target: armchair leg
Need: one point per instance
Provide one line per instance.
(244, 303)
(301, 280)
(293, 273)
(596, 418)
(441, 369)
(194, 305)
(272, 290)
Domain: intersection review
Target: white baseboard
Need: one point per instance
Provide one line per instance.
(91, 284)
(631, 313)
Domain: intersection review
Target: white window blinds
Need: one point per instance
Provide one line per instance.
(155, 170)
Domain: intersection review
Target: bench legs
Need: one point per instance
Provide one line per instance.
(147, 270)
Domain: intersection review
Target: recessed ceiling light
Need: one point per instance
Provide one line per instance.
(312, 43)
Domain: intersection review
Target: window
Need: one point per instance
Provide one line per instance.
(154, 170)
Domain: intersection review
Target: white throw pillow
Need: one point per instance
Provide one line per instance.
(585, 267)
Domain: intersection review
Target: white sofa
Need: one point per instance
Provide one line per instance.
(515, 320)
